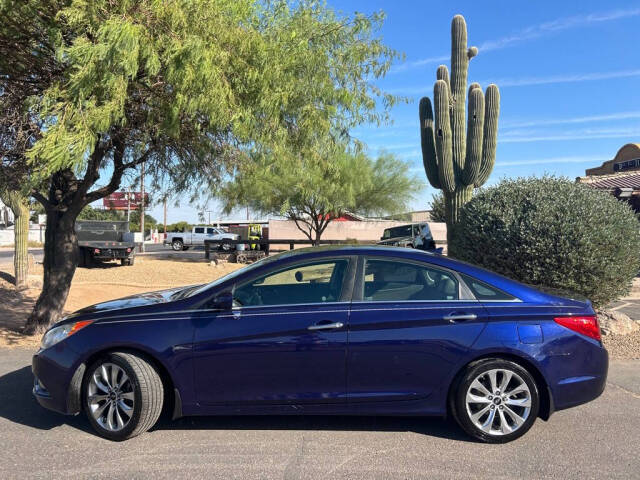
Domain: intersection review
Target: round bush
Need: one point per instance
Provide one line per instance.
(552, 232)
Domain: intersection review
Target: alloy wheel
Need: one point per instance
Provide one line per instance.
(498, 402)
(110, 397)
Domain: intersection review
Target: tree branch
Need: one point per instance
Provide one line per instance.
(116, 176)
(292, 215)
(42, 199)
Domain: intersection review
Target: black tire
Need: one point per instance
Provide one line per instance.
(226, 246)
(463, 416)
(148, 394)
(127, 262)
(87, 259)
(177, 245)
(185, 248)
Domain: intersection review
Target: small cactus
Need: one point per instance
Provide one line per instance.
(456, 161)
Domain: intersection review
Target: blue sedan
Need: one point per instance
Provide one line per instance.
(329, 331)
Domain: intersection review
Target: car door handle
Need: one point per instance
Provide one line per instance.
(326, 326)
(459, 317)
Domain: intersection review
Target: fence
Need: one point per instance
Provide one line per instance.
(36, 234)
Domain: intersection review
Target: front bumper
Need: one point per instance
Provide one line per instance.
(57, 380)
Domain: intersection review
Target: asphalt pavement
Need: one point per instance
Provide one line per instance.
(598, 440)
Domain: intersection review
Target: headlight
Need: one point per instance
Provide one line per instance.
(57, 334)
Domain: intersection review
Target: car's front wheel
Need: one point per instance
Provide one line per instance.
(177, 245)
(496, 400)
(123, 395)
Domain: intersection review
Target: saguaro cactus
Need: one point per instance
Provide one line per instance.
(19, 205)
(457, 161)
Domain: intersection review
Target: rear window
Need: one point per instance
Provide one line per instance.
(402, 231)
(484, 291)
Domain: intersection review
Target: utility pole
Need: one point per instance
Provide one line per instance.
(129, 204)
(165, 218)
(142, 205)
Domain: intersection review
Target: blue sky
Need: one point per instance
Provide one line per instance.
(568, 72)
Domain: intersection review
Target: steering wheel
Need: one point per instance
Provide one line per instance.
(248, 298)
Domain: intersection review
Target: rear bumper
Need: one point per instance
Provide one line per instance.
(575, 390)
(113, 255)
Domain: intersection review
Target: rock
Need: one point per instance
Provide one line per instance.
(616, 323)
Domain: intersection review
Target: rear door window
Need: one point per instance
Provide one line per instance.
(395, 280)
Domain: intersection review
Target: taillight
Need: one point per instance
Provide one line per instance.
(96, 251)
(585, 325)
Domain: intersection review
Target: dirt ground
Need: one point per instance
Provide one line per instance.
(96, 285)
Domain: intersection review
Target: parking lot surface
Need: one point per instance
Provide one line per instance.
(597, 440)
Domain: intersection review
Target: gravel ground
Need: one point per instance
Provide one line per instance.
(623, 346)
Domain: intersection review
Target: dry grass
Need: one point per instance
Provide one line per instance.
(98, 285)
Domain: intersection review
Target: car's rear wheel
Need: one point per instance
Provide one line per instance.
(226, 246)
(496, 400)
(123, 395)
(177, 245)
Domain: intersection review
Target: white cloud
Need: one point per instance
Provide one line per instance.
(541, 161)
(543, 29)
(526, 81)
(586, 134)
(565, 121)
(532, 32)
(563, 78)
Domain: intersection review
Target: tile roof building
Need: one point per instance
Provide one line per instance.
(619, 176)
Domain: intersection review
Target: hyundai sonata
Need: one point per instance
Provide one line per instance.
(329, 331)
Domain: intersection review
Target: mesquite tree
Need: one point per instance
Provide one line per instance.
(457, 162)
(192, 89)
(324, 183)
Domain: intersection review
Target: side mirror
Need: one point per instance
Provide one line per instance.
(224, 301)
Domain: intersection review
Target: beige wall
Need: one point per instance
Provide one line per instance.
(361, 231)
(629, 151)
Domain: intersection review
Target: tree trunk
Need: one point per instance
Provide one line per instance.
(60, 262)
(19, 205)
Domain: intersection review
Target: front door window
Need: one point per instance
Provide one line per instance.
(318, 282)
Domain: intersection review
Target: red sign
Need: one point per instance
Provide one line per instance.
(124, 200)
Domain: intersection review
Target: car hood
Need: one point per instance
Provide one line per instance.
(134, 301)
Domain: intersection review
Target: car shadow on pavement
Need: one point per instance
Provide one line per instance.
(431, 426)
(19, 406)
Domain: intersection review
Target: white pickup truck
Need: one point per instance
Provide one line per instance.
(183, 240)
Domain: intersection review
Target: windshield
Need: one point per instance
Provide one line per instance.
(224, 278)
(402, 231)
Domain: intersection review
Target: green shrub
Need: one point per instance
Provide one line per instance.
(554, 233)
(179, 227)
